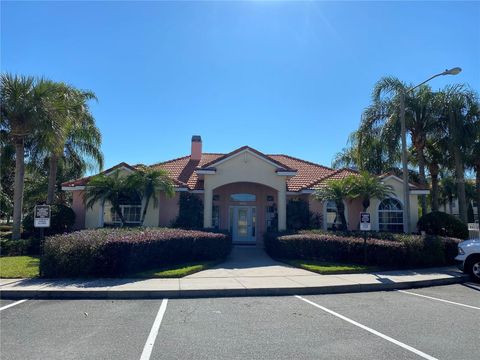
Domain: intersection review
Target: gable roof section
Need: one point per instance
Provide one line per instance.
(267, 158)
(335, 175)
(83, 181)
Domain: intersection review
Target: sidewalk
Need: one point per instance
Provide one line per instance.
(247, 272)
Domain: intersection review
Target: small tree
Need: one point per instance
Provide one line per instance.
(367, 186)
(299, 216)
(337, 191)
(149, 183)
(112, 188)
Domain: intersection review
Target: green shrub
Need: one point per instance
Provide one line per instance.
(9, 247)
(299, 215)
(117, 252)
(190, 212)
(408, 251)
(442, 224)
(5, 228)
(61, 221)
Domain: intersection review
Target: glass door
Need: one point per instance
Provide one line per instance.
(243, 224)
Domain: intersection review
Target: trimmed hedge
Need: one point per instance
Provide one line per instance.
(118, 252)
(443, 224)
(9, 247)
(410, 251)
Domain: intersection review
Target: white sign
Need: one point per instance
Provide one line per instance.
(41, 215)
(365, 221)
(473, 226)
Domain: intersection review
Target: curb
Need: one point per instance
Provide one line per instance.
(238, 292)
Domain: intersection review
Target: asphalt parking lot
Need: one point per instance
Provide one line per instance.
(429, 323)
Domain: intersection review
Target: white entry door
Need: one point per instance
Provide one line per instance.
(243, 224)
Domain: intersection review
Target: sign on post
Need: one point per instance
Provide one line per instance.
(365, 221)
(474, 230)
(41, 216)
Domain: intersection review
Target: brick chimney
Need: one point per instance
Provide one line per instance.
(196, 148)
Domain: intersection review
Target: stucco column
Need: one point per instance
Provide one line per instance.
(207, 208)
(282, 209)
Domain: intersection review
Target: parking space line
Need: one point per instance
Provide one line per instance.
(13, 304)
(147, 349)
(437, 299)
(375, 332)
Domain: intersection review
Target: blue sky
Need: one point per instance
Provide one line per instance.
(282, 77)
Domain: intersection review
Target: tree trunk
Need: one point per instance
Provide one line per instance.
(18, 188)
(421, 175)
(118, 210)
(341, 213)
(434, 191)
(52, 178)
(460, 180)
(459, 172)
(144, 212)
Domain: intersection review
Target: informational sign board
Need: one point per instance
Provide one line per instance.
(473, 226)
(42, 216)
(365, 221)
(473, 231)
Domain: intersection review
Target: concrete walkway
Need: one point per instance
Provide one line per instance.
(247, 272)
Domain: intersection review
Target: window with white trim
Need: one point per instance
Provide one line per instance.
(390, 215)
(131, 214)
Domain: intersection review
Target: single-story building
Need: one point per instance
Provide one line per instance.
(244, 191)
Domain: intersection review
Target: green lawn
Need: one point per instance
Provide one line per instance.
(324, 267)
(19, 266)
(176, 271)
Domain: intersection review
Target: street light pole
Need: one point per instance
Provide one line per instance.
(406, 186)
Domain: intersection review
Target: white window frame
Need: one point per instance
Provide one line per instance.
(390, 211)
(116, 219)
(326, 207)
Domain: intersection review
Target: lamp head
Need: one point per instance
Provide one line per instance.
(453, 71)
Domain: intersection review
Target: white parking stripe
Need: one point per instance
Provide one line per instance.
(375, 332)
(12, 304)
(437, 299)
(147, 349)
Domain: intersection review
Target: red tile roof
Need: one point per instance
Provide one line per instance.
(182, 170)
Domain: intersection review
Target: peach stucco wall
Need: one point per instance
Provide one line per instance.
(167, 209)
(78, 207)
(260, 191)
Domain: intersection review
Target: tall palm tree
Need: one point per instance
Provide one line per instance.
(460, 111)
(337, 191)
(435, 156)
(80, 134)
(420, 118)
(113, 188)
(149, 183)
(27, 105)
(366, 151)
(367, 186)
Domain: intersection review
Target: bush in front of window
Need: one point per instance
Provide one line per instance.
(122, 251)
(442, 224)
(407, 251)
(299, 216)
(190, 212)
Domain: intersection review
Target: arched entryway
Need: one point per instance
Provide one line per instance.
(246, 209)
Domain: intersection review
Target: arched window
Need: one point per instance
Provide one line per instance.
(332, 219)
(390, 215)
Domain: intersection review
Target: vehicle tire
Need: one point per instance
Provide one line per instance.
(473, 267)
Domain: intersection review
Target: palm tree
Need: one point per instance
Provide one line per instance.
(149, 182)
(27, 105)
(366, 151)
(112, 188)
(420, 118)
(80, 132)
(435, 158)
(460, 111)
(448, 191)
(337, 191)
(367, 186)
